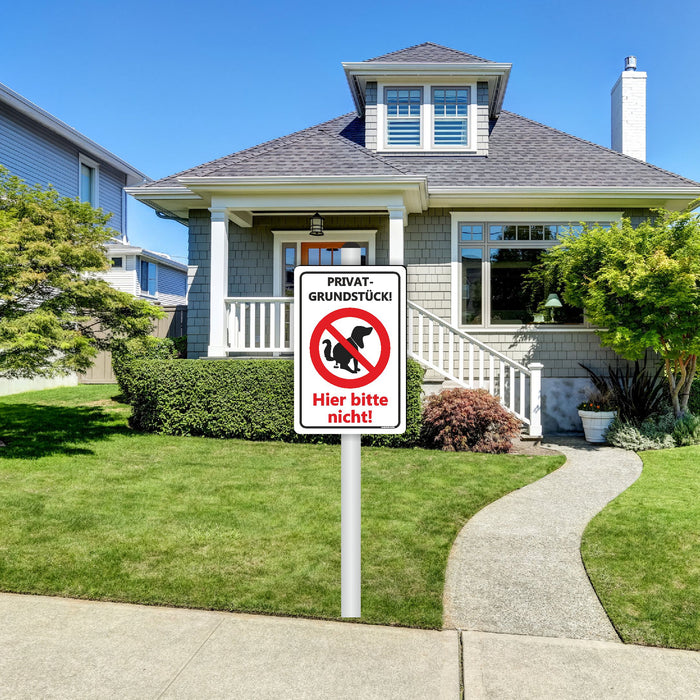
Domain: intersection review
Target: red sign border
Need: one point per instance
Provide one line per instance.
(315, 348)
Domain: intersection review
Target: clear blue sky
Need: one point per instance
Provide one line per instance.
(170, 85)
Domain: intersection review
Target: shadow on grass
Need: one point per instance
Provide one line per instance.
(31, 430)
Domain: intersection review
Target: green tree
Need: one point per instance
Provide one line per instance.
(641, 287)
(55, 314)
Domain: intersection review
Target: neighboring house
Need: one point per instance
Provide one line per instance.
(146, 274)
(42, 150)
(428, 172)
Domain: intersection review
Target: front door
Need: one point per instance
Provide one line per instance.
(316, 253)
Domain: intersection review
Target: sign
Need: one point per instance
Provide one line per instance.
(350, 349)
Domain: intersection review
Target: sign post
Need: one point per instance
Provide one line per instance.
(350, 376)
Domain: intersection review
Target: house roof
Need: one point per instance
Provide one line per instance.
(522, 153)
(427, 52)
(86, 145)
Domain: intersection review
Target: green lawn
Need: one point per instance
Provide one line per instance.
(90, 509)
(643, 553)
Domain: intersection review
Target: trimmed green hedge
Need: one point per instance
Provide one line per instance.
(249, 399)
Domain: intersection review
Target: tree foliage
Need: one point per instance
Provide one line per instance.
(55, 313)
(641, 287)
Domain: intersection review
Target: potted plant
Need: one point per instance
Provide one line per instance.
(596, 415)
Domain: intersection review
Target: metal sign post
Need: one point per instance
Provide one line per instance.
(351, 498)
(350, 376)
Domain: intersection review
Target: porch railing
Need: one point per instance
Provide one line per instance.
(264, 325)
(466, 361)
(260, 324)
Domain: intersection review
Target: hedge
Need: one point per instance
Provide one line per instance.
(249, 399)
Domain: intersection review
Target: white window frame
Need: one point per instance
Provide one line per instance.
(452, 147)
(427, 118)
(282, 238)
(84, 160)
(486, 219)
(421, 118)
(144, 292)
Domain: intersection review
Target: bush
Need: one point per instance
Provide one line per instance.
(468, 420)
(686, 431)
(124, 352)
(249, 399)
(654, 433)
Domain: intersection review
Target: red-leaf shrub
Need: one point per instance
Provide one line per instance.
(468, 420)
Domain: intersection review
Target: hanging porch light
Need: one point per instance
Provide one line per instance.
(316, 225)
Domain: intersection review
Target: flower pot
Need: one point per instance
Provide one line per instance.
(596, 424)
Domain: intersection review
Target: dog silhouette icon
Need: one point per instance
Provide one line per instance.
(342, 357)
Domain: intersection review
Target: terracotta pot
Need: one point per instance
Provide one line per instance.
(596, 424)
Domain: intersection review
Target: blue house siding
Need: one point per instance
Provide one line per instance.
(42, 157)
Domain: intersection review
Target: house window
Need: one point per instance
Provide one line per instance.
(88, 180)
(450, 108)
(148, 278)
(87, 184)
(117, 262)
(403, 112)
(493, 278)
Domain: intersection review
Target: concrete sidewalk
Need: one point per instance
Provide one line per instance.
(59, 648)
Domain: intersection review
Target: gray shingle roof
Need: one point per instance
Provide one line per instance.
(521, 153)
(427, 53)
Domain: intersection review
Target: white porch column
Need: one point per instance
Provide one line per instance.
(218, 283)
(397, 216)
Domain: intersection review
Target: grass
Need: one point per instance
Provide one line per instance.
(642, 553)
(90, 509)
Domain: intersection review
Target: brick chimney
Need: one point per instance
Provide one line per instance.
(629, 112)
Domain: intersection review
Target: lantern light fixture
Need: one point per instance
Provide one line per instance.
(316, 225)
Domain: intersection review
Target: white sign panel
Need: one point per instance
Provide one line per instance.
(350, 349)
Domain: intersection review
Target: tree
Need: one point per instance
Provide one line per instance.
(641, 286)
(55, 314)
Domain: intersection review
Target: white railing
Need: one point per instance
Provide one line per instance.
(260, 324)
(466, 361)
(264, 325)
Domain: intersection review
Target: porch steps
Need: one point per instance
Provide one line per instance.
(453, 358)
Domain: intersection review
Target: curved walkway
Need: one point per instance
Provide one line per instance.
(516, 566)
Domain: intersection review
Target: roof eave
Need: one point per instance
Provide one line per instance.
(358, 73)
(84, 144)
(673, 198)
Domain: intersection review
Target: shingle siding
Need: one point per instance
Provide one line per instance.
(371, 116)
(482, 119)
(198, 301)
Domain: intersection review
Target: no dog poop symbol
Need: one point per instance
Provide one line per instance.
(350, 348)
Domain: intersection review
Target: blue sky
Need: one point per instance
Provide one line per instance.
(170, 85)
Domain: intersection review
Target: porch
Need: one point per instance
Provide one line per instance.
(264, 326)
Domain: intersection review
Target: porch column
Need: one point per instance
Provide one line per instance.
(218, 283)
(396, 222)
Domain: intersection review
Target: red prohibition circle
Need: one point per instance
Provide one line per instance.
(315, 348)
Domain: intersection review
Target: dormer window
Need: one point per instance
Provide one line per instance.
(403, 107)
(451, 106)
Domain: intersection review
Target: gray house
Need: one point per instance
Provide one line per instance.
(429, 172)
(43, 150)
